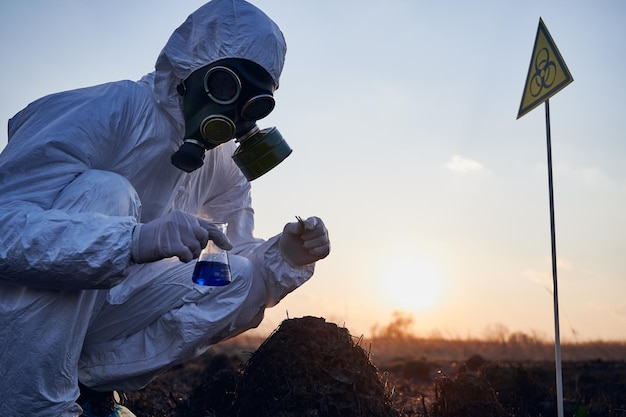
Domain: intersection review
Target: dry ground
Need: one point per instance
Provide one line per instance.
(414, 384)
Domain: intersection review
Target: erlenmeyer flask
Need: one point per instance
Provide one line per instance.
(212, 267)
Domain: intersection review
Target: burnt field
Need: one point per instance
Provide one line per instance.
(309, 367)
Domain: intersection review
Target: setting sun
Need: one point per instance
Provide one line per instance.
(410, 282)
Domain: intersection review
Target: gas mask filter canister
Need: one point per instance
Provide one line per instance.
(223, 101)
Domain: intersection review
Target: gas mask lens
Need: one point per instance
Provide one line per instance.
(222, 85)
(258, 107)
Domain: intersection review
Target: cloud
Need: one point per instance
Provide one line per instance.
(461, 164)
(542, 278)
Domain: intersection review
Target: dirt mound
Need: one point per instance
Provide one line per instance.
(309, 367)
(465, 395)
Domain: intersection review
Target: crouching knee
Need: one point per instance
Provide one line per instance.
(102, 192)
(241, 270)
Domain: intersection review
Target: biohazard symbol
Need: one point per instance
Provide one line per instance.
(547, 73)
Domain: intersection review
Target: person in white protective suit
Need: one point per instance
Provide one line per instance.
(100, 203)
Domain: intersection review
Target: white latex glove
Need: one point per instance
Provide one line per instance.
(302, 245)
(175, 234)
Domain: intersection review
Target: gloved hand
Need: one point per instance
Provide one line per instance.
(175, 234)
(304, 244)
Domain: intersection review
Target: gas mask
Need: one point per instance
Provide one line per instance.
(223, 101)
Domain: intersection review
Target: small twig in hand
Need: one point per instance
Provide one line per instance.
(300, 220)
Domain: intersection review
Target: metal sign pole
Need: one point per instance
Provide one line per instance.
(557, 337)
(547, 75)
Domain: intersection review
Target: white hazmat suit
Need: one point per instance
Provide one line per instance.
(81, 169)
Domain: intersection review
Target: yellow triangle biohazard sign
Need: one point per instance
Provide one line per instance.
(547, 74)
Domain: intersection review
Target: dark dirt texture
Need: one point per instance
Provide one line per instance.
(309, 367)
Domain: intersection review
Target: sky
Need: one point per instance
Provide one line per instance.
(402, 115)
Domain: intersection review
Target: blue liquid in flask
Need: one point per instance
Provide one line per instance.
(214, 274)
